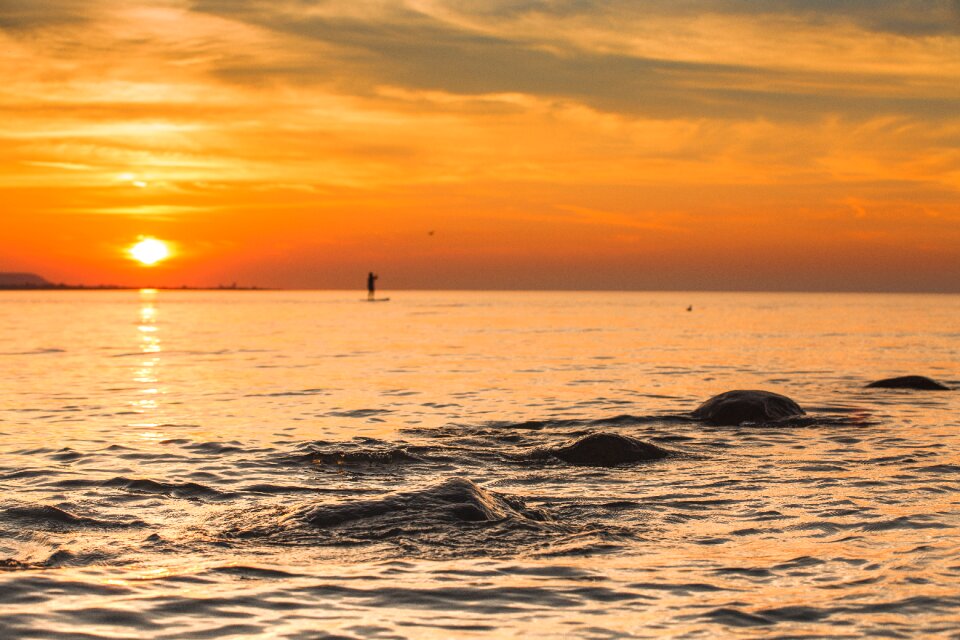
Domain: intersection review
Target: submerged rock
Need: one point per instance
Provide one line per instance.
(737, 407)
(367, 452)
(920, 383)
(455, 500)
(607, 450)
(454, 518)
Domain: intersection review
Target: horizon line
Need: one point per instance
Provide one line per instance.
(255, 288)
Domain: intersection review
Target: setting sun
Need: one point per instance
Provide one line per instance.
(150, 251)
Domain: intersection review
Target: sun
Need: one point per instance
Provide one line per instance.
(150, 251)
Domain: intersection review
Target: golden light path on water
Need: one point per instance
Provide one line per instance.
(147, 374)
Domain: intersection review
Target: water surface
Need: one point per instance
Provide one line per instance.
(304, 464)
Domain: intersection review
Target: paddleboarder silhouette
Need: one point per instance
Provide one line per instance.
(371, 284)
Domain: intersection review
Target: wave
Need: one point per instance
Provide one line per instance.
(283, 394)
(51, 517)
(358, 413)
(829, 416)
(187, 490)
(33, 352)
(623, 420)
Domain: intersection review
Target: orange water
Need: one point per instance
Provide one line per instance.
(155, 462)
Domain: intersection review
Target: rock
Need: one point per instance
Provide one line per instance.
(920, 383)
(453, 501)
(607, 450)
(737, 407)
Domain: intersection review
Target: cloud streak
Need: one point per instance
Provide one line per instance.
(463, 53)
(27, 15)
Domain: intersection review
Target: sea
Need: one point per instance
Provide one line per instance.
(285, 464)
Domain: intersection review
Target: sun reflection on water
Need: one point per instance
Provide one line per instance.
(147, 371)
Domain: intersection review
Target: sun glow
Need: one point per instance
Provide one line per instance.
(150, 251)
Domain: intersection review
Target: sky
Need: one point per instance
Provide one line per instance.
(502, 144)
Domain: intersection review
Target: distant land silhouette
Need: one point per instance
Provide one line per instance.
(31, 281)
(22, 281)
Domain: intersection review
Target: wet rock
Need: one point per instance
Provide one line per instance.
(371, 452)
(737, 407)
(919, 383)
(607, 450)
(455, 500)
(454, 518)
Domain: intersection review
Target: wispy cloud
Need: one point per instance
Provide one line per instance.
(539, 49)
(24, 15)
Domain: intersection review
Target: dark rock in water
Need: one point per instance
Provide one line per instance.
(451, 519)
(455, 500)
(737, 407)
(920, 383)
(607, 450)
(371, 452)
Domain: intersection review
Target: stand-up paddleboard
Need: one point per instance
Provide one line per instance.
(376, 300)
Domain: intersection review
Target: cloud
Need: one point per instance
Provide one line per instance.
(23, 15)
(911, 18)
(452, 48)
(901, 17)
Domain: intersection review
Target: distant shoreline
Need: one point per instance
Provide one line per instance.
(109, 287)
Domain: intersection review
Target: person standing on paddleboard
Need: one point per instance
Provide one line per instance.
(371, 284)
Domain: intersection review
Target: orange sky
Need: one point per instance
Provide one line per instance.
(683, 144)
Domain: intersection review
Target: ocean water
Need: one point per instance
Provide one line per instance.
(308, 465)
